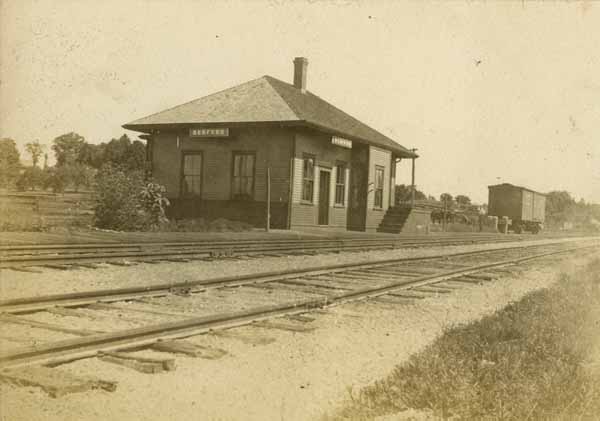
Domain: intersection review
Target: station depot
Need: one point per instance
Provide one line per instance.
(325, 168)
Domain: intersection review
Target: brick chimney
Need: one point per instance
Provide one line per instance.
(300, 65)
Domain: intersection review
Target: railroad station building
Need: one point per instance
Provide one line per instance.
(327, 169)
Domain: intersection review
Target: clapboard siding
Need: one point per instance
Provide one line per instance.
(392, 182)
(273, 148)
(326, 156)
(303, 215)
(337, 216)
(381, 158)
(297, 181)
(166, 162)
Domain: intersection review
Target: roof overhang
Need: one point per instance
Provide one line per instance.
(400, 151)
(153, 128)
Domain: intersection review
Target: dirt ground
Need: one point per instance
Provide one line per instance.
(272, 374)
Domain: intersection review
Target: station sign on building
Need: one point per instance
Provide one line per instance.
(340, 141)
(210, 132)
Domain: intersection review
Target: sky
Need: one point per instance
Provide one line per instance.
(488, 92)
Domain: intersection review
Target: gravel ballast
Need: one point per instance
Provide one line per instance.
(272, 374)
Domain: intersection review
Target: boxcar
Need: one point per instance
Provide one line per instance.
(525, 208)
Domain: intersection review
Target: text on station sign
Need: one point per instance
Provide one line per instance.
(210, 132)
(340, 141)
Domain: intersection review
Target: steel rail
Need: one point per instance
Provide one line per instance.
(27, 252)
(82, 248)
(89, 346)
(258, 249)
(184, 242)
(29, 304)
(8, 261)
(115, 244)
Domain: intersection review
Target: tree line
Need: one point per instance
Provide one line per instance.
(404, 192)
(562, 210)
(77, 162)
(125, 197)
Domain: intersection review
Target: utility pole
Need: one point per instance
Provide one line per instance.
(413, 187)
(268, 222)
(445, 214)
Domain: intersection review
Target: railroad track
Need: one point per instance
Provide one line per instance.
(203, 306)
(63, 256)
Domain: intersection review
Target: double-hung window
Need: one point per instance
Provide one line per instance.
(378, 203)
(191, 179)
(340, 184)
(243, 175)
(308, 178)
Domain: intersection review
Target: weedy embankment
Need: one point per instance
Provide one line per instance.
(535, 359)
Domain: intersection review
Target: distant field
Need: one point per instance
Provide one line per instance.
(41, 211)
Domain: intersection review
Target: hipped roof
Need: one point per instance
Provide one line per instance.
(268, 100)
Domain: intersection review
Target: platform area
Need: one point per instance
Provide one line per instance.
(93, 236)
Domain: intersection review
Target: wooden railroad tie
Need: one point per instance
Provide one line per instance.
(141, 364)
(444, 285)
(466, 281)
(307, 283)
(120, 263)
(9, 318)
(479, 277)
(23, 269)
(74, 312)
(433, 290)
(283, 325)
(247, 338)
(190, 349)
(300, 318)
(407, 295)
(391, 299)
(85, 265)
(59, 267)
(54, 381)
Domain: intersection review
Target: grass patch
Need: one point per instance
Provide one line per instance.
(21, 221)
(202, 225)
(26, 221)
(41, 211)
(526, 361)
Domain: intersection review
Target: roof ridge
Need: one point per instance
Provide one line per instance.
(281, 96)
(268, 78)
(356, 120)
(198, 99)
